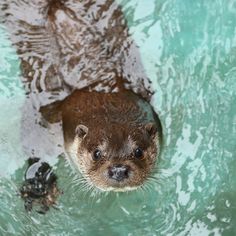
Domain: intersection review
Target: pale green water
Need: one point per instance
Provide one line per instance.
(189, 51)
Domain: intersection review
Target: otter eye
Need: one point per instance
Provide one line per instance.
(138, 153)
(97, 155)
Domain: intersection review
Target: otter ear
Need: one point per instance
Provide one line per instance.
(151, 128)
(81, 131)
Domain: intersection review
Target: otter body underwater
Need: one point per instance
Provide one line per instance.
(80, 66)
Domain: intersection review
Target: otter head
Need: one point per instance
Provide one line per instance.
(115, 158)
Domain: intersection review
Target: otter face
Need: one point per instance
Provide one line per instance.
(119, 158)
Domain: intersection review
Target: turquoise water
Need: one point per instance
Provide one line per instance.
(188, 49)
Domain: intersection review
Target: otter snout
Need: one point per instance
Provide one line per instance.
(118, 172)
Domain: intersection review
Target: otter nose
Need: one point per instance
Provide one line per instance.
(118, 172)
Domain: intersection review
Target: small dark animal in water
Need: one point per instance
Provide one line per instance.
(40, 186)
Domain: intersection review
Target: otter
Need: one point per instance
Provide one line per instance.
(81, 67)
(112, 138)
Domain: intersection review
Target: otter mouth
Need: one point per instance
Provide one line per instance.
(118, 178)
(120, 189)
(119, 186)
(116, 184)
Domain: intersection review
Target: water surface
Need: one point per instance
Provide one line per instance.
(188, 50)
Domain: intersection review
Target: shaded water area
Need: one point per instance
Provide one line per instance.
(188, 50)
